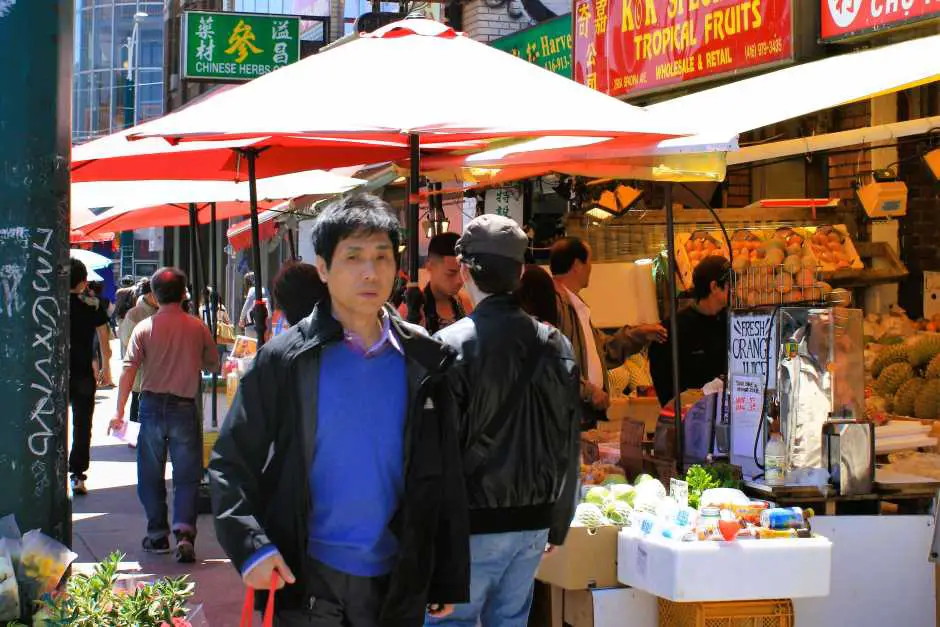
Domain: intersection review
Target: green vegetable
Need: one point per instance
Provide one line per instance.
(699, 480)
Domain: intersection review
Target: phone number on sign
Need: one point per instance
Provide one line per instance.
(764, 49)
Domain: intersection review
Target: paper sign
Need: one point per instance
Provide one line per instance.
(679, 491)
(751, 337)
(747, 407)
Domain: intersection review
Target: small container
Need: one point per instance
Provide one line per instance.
(785, 518)
(708, 521)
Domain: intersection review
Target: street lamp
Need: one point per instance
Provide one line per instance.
(133, 69)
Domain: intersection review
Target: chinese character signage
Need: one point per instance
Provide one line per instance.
(237, 46)
(547, 45)
(622, 47)
(504, 201)
(843, 18)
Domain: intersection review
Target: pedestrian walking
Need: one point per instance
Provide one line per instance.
(124, 300)
(86, 314)
(516, 387)
(297, 289)
(246, 320)
(170, 349)
(337, 467)
(146, 306)
(595, 350)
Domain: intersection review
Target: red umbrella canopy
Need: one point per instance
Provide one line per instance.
(354, 91)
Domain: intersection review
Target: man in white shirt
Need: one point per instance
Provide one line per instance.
(594, 350)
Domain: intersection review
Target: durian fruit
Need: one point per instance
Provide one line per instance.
(927, 405)
(906, 396)
(924, 349)
(892, 378)
(888, 356)
(933, 368)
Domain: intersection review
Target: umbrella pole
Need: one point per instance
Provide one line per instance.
(261, 313)
(414, 185)
(212, 308)
(673, 329)
(193, 258)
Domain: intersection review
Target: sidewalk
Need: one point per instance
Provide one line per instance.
(110, 518)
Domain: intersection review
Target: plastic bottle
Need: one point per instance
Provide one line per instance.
(775, 457)
(785, 518)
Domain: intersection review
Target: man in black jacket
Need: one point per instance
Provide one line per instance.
(516, 384)
(337, 469)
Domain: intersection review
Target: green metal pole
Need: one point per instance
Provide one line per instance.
(34, 264)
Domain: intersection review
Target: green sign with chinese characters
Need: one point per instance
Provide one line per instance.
(237, 46)
(547, 45)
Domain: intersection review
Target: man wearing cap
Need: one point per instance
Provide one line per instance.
(516, 386)
(146, 307)
(702, 329)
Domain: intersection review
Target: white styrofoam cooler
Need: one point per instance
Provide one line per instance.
(725, 571)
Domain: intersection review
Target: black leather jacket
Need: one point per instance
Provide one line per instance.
(530, 480)
(257, 501)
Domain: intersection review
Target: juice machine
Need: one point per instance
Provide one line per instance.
(800, 370)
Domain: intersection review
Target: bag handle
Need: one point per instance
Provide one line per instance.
(249, 606)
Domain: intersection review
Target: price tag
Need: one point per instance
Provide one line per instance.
(679, 491)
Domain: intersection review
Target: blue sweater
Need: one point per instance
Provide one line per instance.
(356, 479)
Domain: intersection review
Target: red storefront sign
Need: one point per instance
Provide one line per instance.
(841, 18)
(629, 46)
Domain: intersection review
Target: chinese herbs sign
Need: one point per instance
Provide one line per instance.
(842, 18)
(547, 45)
(628, 46)
(237, 46)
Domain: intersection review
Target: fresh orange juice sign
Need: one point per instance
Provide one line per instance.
(628, 46)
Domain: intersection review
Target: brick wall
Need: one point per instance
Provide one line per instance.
(485, 23)
(739, 187)
(920, 229)
(845, 163)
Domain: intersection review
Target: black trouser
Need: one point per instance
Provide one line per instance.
(335, 599)
(135, 407)
(82, 400)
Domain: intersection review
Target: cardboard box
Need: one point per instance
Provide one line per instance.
(610, 608)
(587, 560)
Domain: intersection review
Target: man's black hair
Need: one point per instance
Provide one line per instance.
(565, 252)
(442, 245)
(536, 294)
(127, 281)
(249, 279)
(494, 274)
(360, 214)
(168, 285)
(714, 268)
(297, 289)
(77, 273)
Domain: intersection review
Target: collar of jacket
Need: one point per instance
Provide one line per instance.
(496, 302)
(321, 328)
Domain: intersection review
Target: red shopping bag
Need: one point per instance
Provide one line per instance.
(249, 606)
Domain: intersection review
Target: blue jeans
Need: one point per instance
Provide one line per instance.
(502, 578)
(169, 423)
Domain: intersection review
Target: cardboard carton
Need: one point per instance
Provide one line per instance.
(587, 560)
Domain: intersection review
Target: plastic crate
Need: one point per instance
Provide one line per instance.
(772, 613)
(208, 441)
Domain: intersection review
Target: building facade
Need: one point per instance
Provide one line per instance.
(118, 66)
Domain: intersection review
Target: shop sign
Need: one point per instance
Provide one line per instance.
(625, 47)
(547, 45)
(237, 46)
(843, 18)
(504, 201)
